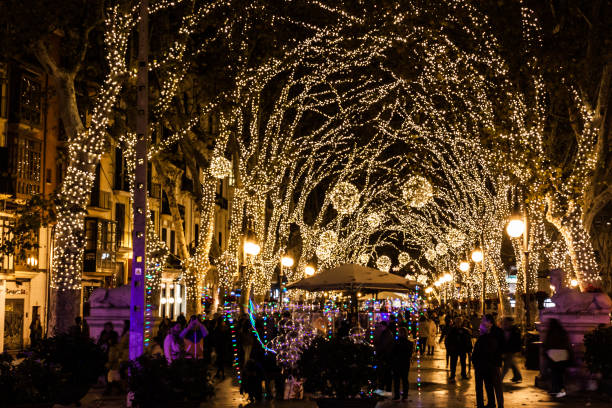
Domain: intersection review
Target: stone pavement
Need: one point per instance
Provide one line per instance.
(435, 392)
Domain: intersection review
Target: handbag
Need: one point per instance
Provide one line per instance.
(558, 355)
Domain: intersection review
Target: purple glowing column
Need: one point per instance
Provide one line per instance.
(140, 189)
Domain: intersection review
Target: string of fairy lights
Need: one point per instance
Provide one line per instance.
(416, 194)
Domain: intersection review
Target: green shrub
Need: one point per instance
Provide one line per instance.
(597, 355)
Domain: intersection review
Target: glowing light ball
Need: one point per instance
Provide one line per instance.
(417, 191)
(364, 259)
(373, 220)
(455, 238)
(464, 266)
(345, 198)
(220, 167)
(477, 255)
(515, 228)
(383, 263)
(403, 258)
(430, 254)
(441, 249)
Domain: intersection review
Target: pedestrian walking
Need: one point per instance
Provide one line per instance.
(432, 331)
(402, 353)
(423, 335)
(383, 345)
(193, 336)
(35, 331)
(458, 345)
(173, 343)
(484, 354)
(558, 351)
(512, 346)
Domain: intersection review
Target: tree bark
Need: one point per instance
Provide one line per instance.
(578, 243)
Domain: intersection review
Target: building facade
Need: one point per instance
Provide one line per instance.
(32, 146)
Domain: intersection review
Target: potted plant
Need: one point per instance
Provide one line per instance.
(597, 356)
(341, 370)
(155, 383)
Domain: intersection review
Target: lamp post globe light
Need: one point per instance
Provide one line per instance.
(287, 261)
(515, 228)
(251, 248)
(477, 255)
(464, 266)
(309, 270)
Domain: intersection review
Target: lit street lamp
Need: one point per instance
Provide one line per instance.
(286, 262)
(464, 266)
(309, 270)
(517, 227)
(477, 257)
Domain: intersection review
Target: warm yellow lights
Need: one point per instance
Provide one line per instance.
(428, 290)
(477, 255)
(574, 283)
(447, 277)
(309, 270)
(251, 248)
(464, 266)
(515, 228)
(287, 261)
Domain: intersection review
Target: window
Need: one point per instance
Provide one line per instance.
(172, 245)
(120, 220)
(27, 165)
(29, 100)
(3, 92)
(122, 180)
(164, 237)
(197, 234)
(220, 240)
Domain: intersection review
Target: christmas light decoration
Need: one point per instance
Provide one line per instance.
(345, 197)
(417, 191)
(403, 258)
(383, 263)
(220, 167)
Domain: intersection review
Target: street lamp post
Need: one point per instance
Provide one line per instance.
(251, 250)
(516, 228)
(286, 262)
(477, 257)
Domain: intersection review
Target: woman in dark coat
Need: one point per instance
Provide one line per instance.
(557, 349)
(400, 364)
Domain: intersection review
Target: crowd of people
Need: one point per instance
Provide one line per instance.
(486, 344)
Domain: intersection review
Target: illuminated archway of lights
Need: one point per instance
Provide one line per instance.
(394, 153)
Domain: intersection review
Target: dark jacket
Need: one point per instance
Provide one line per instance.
(487, 352)
(458, 341)
(512, 340)
(498, 333)
(402, 353)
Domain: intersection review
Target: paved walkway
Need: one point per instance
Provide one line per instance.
(435, 392)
